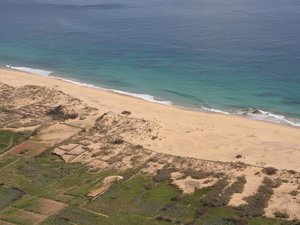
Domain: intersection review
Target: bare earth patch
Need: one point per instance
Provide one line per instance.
(189, 185)
(31, 148)
(57, 133)
(283, 201)
(107, 182)
(49, 207)
(250, 188)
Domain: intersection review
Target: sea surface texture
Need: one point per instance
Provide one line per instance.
(203, 54)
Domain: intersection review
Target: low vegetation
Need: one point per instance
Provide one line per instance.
(44, 189)
(9, 139)
(258, 202)
(58, 113)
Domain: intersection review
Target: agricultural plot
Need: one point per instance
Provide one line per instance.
(61, 198)
(8, 139)
(5, 160)
(19, 216)
(40, 205)
(9, 195)
(140, 197)
(33, 175)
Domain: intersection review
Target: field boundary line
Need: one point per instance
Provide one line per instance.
(96, 213)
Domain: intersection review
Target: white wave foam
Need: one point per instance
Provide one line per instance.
(271, 117)
(262, 115)
(46, 73)
(146, 97)
(215, 110)
(30, 70)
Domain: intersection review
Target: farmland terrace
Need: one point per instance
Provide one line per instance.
(63, 162)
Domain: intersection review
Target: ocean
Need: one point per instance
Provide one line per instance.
(215, 55)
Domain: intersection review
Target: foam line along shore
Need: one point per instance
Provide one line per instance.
(256, 114)
(197, 134)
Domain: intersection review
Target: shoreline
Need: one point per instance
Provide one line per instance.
(187, 133)
(246, 113)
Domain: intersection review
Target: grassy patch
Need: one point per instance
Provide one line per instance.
(35, 174)
(132, 197)
(136, 199)
(21, 217)
(269, 221)
(9, 195)
(8, 139)
(75, 215)
(7, 159)
(258, 202)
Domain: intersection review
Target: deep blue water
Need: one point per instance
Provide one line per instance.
(222, 54)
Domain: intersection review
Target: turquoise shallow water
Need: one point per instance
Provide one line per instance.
(215, 54)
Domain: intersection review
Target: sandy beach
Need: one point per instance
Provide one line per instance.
(201, 135)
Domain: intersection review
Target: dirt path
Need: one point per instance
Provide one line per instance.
(10, 163)
(96, 213)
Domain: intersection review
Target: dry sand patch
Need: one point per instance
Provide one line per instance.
(57, 133)
(250, 188)
(283, 201)
(189, 185)
(68, 147)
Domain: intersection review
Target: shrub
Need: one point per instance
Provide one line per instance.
(292, 172)
(239, 165)
(282, 215)
(64, 218)
(117, 141)
(114, 159)
(167, 206)
(238, 186)
(7, 109)
(15, 125)
(138, 147)
(176, 198)
(163, 219)
(214, 198)
(163, 175)
(126, 112)
(135, 158)
(149, 186)
(96, 154)
(153, 159)
(259, 201)
(58, 114)
(218, 175)
(269, 171)
(193, 222)
(101, 117)
(238, 221)
(202, 211)
(105, 149)
(294, 193)
(220, 195)
(196, 174)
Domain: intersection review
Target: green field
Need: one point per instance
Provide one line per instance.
(136, 199)
(8, 139)
(8, 195)
(7, 159)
